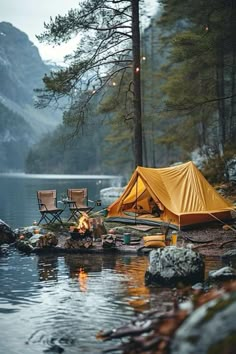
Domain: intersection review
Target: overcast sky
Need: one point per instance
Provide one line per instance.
(30, 15)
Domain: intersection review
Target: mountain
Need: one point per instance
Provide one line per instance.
(21, 71)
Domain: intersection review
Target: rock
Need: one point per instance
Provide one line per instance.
(210, 328)
(229, 255)
(7, 235)
(54, 349)
(33, 240)
(171, 266)
(222, 274)
(24, 246)
(4, 249)
(198, 286)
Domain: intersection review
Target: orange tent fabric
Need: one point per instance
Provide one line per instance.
(181, 192)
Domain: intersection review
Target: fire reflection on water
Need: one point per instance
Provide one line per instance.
(138, 295)
(82, 279)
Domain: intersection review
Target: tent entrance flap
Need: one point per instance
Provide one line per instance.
(138, 200)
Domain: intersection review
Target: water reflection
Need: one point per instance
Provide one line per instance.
(82, 279)
(138, 296)
(47, 268)
(60, 303)
(50, 303)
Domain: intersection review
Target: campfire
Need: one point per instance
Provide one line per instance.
(81, 235)
(83, 224)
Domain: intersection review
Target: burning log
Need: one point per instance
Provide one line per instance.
(83, 223)
(81, 236)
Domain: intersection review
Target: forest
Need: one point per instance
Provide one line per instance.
(187, 71)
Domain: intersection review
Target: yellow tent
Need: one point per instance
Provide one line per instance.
(182, 194)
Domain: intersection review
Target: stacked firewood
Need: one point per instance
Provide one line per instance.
(80, 242)
(81, 235)
(47, 240)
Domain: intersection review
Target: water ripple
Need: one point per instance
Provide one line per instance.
(59, 304)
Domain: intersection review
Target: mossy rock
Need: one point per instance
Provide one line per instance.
(210, 329)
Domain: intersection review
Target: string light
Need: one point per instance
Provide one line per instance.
(137, 70)
(113, 83)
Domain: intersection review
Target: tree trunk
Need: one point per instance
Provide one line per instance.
(220, 94)
(232, 119)
(138, 134)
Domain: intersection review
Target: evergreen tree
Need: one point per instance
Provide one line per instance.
(109, 44)
(200, 73)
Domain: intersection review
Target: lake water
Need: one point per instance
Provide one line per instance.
(18, 200)
(51, 304)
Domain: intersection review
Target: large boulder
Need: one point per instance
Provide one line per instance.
(7, 235)
(172, 266)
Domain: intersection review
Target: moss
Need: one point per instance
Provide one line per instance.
(219, 306)
(225, 346)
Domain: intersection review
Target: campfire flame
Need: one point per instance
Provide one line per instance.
(83, 223)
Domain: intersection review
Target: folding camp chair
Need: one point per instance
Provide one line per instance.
(78, 202)
(47, 201)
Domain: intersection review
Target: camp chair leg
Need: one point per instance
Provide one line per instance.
(41, 219)
(74, 215)
(58, 218)
(46, 218)
(55, 217)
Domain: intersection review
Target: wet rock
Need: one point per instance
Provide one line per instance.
(7, 235)
(222, 274)
(198, 286)
(227, 256)
(24, 246)
(171, 266)
(4, 249)
(33, 240)
(211, 328)
(54, 349)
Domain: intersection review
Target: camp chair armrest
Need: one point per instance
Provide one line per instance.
(43, 205)
(69, 202)
(93, 202)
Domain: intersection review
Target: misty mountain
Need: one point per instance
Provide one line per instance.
(21, 71)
